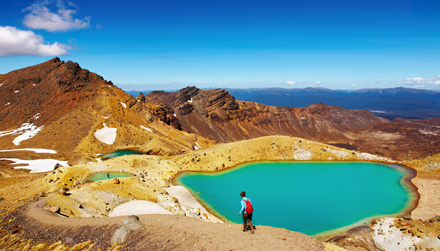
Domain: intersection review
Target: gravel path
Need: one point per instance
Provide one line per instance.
(160, 232)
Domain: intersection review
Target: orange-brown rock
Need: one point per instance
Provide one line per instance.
(215, 114)
(399, 140)
(70, 104)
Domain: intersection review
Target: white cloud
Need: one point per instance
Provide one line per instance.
(15, 42)
(379, 80)
(318, 82)
(290, 82)
(41, 17)
(420, 82)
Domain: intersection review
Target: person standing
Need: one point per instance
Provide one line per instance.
(247, 210)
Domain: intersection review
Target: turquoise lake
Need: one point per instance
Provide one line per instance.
(111, 175)
(307, 197)
(122, 152)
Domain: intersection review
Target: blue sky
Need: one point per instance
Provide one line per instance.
(167, 44)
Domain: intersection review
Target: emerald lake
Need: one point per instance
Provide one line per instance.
(307, 197)
(108, 175)
(121, 152)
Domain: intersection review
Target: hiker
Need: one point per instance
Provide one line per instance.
(108, 176)
(247, 210)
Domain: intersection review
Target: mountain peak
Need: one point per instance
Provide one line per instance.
(55, 60)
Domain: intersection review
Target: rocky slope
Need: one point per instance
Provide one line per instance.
(400, 140)
(216, 114)
(33, 225)
(58, 105)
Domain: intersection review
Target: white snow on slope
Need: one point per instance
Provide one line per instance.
(123, 104)
(138, 207)
(197, 146)
(27, 131)
(146, 128)
(27, 134)
(38, 165)
(36, 150)
(106, 135)
(36, 116)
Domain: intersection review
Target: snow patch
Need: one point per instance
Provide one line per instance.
(1, 84)
(17, 91)
(29, 131)
(190, 101)
(36, 150)
(174, 115)
(106, 135)
(38, 165)
(138, 207)
(123, 104)
(146, 128)
(8, 104)
(36, 116)
(197, 146)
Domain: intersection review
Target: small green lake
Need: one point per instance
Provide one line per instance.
(308, 197)
(121, 152)
(108, 175)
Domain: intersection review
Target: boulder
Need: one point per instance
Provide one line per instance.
(141, 97)
(57, 165)
(63, 191)
(116, 181)
(131, 223)
(15, 229)
(55, 209)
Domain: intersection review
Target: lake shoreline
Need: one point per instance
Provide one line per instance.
(406, 181)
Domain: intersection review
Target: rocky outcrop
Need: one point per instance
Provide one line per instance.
(130, 224)
(400, 140)
(65, 105)
(216, 114)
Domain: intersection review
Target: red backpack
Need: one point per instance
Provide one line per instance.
(249, 208)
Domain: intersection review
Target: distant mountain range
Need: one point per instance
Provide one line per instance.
(388, 103)
(58, 105)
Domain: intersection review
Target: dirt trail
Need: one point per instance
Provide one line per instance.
(160, 232)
